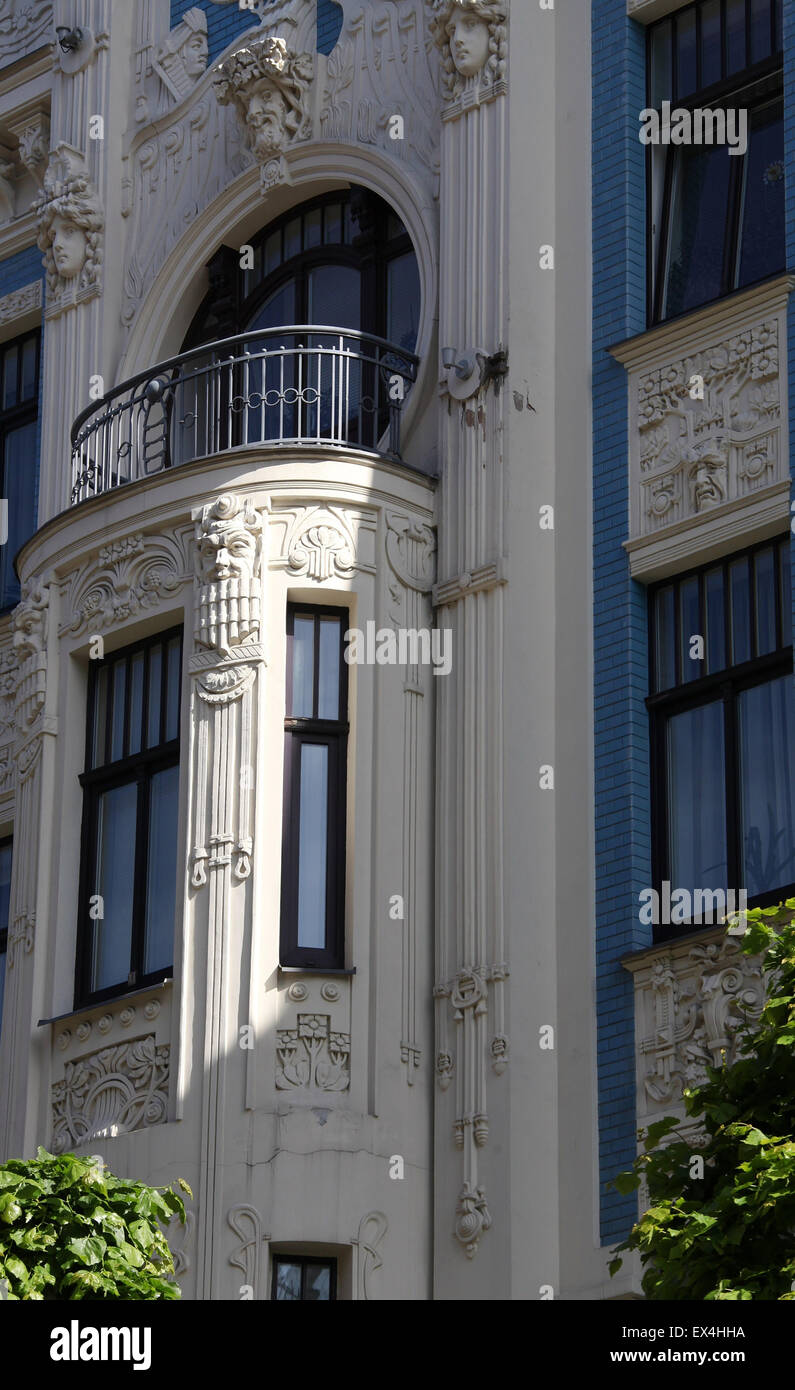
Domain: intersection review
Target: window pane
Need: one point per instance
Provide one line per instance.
(333, 224)
(403, 301)
(786, 590)
(698, 227)
(277, 311)
(117, 718)
(665, 656)
(685, 53)
(6, 853)
(312, 228)
(161, 870)
(760, 30)
(114, 881)
(288, 1282)
(740, 612)
(334, 296)
(710, 43)
(735, 36)
(697, 797)
(312, 845)
(136, 701)
(689, 627)
(153, 709)
(2, 983)
(317, 1283)
(767, 761)
(30, 352)
(762, 245)
(292, 238)
(765, 602)
(172, 689)
(273, 253)
(20, 456)
(716, 622)
(303, 668)
(329, 679)
(661, 64)
(100, 717)
(10, 362)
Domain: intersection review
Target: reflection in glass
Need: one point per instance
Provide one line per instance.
(762, 249)
(288, 1282)
(136, 701)
(765, 566)
(697, 798)
(689, 627)
(114, 881)
(740, 612)
(665, 663)
(317, 1283)
(312, 845)
(161, 870)
(329, 682)
(303, 668)
(767, 772)
(155, 677)
(403, 301)
(695, 256)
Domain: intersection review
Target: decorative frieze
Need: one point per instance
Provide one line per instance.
(113, 1091)
(25, 25)
(123, 579)
(18, 303)
(312, 1057)
(323, 542)
(689, 1000)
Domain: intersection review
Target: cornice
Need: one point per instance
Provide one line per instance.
(678, 947)
(646, 11)
(18, 235)
(699, 329)
(700, 539)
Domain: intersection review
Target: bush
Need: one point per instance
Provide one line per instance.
(731, 1233)
(70, 1230)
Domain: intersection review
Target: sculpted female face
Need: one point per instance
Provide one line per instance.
(68, 247)
(469, 43)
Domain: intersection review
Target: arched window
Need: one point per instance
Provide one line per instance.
(341, 261)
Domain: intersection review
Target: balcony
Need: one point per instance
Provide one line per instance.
(284, 388)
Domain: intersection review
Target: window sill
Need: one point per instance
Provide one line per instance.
(314, 970)
(117, 999)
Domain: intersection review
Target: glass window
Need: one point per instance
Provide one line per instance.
(131, 791)
(716, 209)
(313, 857)
(19, 455)
(6, 855)
(723, 759)
(304, 1278)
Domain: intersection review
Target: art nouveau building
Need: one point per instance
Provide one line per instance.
(294, 317)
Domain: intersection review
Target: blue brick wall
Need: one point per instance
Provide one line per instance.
(20, 269)
(225, 22)
(789, 188)
(621, 749)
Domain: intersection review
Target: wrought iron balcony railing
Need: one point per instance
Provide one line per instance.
(283, 386)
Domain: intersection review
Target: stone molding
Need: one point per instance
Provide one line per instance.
(123, 579)
(24, 26)
(21, 302)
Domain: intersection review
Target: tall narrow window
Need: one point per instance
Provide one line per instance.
(19, 397)
(723, 727)
(316, 739)
(6, 847)
(131, 791)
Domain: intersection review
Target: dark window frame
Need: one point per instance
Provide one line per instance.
(328, 1261)
(334, 735)
(138, 769)
(23, 412)
(7, 840)
(726, 685)
(754, 86)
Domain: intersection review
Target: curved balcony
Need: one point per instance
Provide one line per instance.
(288, 387)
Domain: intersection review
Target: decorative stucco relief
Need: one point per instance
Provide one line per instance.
(323, 542)
(182, 57)
(268, 83)
(228, 558)
(29, 622)
(708, 429)
(472, 36)
(384, 64)
(689, 1001)
(124, 578)
(71, 226)
(20, 302)
(24, 26)
(312, 1057)
(249, 1256)
(367, 1252)
(113, 1091)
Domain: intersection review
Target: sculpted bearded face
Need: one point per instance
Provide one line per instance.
(265, 116)
(69, 247)
(228, 551)
(469, 43)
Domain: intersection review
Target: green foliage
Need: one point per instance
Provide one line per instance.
(731, 1234)
(70, 1230)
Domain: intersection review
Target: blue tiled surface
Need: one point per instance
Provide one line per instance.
(20, 269)
(225, 22)
(620, 655)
